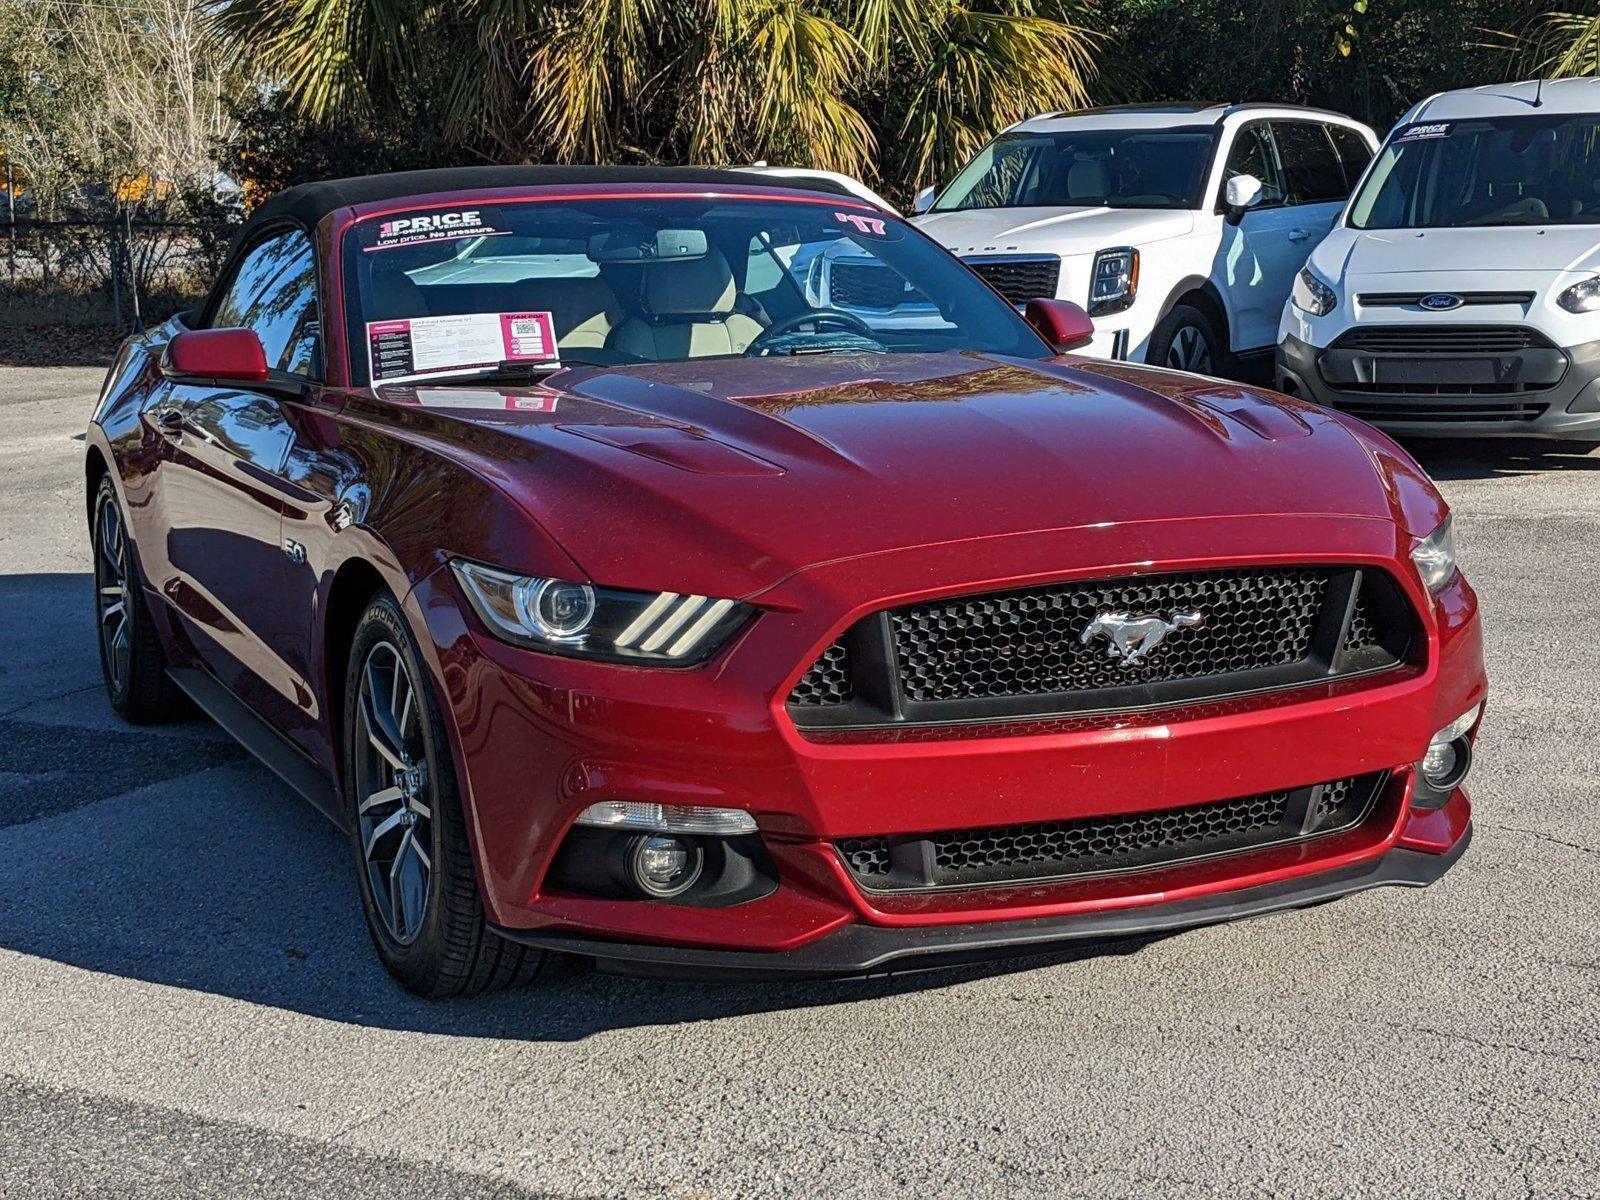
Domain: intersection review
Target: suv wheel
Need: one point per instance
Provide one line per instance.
(419, 889)
(1186, 341)
(132, 661)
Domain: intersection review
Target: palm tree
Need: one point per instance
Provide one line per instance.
(897, 90)
(1557, 45)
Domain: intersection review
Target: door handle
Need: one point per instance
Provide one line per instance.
(170, 422)
(1299, 235)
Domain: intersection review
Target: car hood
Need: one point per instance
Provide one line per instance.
(1425, 253)
(722, 477)
(1053, 230)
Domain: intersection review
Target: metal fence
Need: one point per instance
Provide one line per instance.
(114, 270)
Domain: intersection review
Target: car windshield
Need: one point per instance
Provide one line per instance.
(469, 289)
(1525, 170)
(1110, 168)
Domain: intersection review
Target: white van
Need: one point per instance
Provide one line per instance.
(1460, 292)
(1180, 227)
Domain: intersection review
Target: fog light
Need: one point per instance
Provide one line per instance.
(1449, 754)
(663, 867)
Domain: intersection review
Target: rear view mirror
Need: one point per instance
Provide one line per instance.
(234, 355)
(924, 200)
(640, 245)
(1061, 323)
(1242, 192)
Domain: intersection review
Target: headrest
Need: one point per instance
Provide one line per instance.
(1088, 180)
(685, 286)
(395, 294)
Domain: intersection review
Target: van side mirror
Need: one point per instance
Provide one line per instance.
(923, 200)
(1240, 193)
(1061, 323)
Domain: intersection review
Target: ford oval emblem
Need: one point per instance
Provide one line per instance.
(1440, 302)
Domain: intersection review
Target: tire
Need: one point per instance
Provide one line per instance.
(1186, 340)
(419, 889)
(133, 662)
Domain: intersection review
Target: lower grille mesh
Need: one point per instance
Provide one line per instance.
(1098, 845)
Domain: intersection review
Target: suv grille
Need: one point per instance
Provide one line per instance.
(869, 285)
(1102, 845)
(1019, 279)
(1030, 652)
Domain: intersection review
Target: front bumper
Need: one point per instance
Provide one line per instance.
(866, 950)
(537, 739)
(1570, 409)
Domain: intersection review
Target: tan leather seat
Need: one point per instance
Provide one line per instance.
(585, 311)
(690, 312)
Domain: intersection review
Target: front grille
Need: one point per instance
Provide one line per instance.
(1504, 412)
(1108, 844)
(1441, 339)
(1043, 651)
(1019, 279)
(869, 285)
(1414, 299)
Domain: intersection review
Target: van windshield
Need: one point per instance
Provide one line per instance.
(1524, 170)
(1088, 168)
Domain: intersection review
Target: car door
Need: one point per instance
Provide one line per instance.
(1316, 182)
(1256, 261)
(224, 491)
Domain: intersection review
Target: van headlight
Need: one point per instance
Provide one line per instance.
(559, 616)
(1311, 295)
(1113, 281)
(1435, 557)
(1581, 297)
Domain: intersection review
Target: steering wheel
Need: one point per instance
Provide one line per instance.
(816, 317)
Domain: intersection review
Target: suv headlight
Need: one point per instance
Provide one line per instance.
(1311, 295)
(1581, 297)
(1435, 556)
(1113, 281)
(584, 621)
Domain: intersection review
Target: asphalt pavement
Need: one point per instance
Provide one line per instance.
(189, 1005)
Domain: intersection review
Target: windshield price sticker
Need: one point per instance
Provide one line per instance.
(1417, 133)
(433, 227)
(422, 347)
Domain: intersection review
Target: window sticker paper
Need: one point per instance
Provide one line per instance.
(419, 347)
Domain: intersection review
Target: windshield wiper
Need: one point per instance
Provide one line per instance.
(515, 371)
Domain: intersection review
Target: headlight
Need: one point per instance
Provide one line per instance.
(1311, 295)
(1114, 281)
(1435, 556)
(1581, 297)
(580, 620)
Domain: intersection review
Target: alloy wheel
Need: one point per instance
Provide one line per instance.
(1190, 351)
(111, 592)
(395, 813)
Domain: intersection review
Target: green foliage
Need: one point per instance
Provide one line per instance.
(884, 89)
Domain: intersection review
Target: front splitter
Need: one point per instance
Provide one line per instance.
(868, 950)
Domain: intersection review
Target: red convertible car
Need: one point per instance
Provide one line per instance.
(620, 600)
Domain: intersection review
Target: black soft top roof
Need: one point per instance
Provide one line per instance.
(308, 203)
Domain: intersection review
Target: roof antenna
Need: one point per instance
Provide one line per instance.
(1538, 91)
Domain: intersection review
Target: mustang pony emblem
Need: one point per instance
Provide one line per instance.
(1130, 638)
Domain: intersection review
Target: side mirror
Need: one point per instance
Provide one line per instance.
(233, 355)
(1241, 192)
(1060, 322)
(924, 200)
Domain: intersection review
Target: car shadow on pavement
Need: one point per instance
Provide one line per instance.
(165, 855)
(1493, 458)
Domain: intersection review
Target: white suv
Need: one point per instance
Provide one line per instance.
(1180, 227)
(1460, 294)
